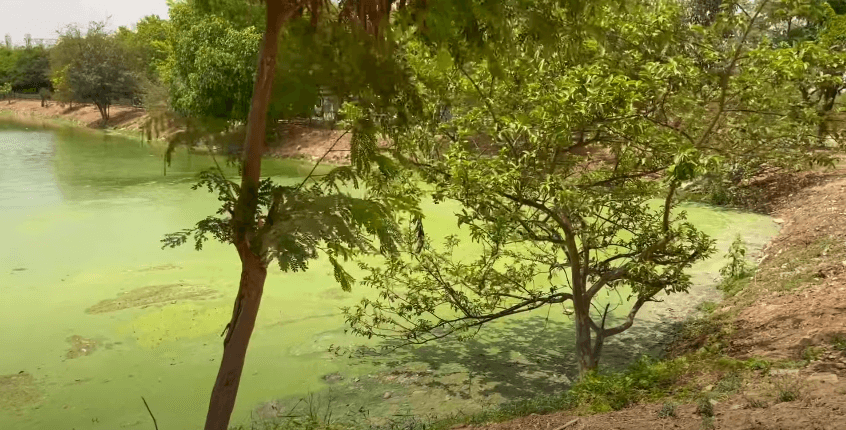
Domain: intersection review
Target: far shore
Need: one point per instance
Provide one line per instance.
(296, 140)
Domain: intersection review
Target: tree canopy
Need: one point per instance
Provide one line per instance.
(569, 150)
(93, 68)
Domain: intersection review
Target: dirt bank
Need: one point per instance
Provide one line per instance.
(296, 139)
(86, 115)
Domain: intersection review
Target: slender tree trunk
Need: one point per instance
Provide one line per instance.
(586, 356)
(253, 274)
(253, 266)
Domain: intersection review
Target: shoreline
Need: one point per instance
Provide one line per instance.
(296, 140)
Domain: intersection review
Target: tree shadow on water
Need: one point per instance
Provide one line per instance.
(521, 358)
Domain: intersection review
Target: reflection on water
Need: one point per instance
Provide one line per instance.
(82, 215)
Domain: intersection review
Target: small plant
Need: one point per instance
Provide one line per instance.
(668, 409)
(737, 266)
(756, 403)
(705, 407)
(730, 383)
(758, 364)
(812, 353)
(839, 342)
(788, 389)
(708, 423)
(708, 307)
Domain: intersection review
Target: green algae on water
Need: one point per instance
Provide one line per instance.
(18, 391)
(154, 295)
(81, 346)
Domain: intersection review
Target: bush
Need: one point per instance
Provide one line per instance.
(645, 379)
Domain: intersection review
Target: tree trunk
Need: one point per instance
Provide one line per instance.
(244, 313)
(103, 113)
(586, 356)
(253, 266)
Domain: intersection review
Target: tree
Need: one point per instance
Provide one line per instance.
(148, 46)
(93, 68)
(66, 51)
(290, 224)
(211, 67)
(568, 149)
(31, 72)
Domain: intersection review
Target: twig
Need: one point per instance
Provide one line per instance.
(155, 424)
(567, 425)
(321, 159)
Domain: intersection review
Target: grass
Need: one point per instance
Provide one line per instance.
(787, 389)
(732, 286)
(668, 410)
(812, 353)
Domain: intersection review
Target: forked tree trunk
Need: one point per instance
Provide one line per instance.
(586, 355)
(253, 266)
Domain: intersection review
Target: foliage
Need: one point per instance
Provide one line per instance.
(668, 410)
(30, 71)
(6, 90)
(737, 266)
(295, 224)
(211, 66)
(787, 388)
(566, 150)
(839, 342)
(147, 46)
(704, 407)
(92, 68)
(646, 379)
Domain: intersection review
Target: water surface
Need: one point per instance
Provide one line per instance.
(81, 216)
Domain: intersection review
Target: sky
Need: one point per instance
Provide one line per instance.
(41, 18)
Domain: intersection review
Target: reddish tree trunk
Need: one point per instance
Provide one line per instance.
(253, 274)
(253, 266)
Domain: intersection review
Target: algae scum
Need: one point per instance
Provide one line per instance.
(95, 314)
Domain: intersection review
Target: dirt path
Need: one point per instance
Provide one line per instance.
(794, 309)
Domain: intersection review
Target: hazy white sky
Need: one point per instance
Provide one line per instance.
(41, 18)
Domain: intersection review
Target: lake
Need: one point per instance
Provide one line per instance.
(95, 315)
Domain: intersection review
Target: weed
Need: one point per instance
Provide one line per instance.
(737, 266)
(758, 364)
(812, 353)
(731, 286)
(729, 383)
(705, 407)
(708, 423)
(645, 379)
(787, 389)
(839, 342)
(668, 409)
(756, 403)
(708, 307)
